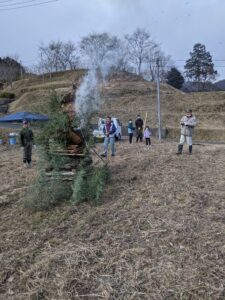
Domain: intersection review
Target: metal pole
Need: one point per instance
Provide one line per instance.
(158, 101)
(21, 72)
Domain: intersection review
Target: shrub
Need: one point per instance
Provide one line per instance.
(89, 184)
(7, 95)
(46, 193)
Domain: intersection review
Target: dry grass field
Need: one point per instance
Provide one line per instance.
(158, 234)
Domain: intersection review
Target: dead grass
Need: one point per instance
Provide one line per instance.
(127, 95)
(126, 99)
(159, 233)
(36, 101)
(32, 93)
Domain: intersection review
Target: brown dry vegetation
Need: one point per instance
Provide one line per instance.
(125, 95)
(158, 234)
(32, 94)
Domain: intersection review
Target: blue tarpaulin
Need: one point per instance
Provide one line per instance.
(24, 115)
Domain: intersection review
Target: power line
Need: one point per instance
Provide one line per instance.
(17, 3)
(4, 1)
(12, 2)
(30, 5)
(172, 66)
(186, 60)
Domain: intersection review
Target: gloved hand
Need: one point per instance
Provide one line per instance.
(182, 124)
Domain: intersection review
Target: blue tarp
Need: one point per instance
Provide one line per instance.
(23, 115)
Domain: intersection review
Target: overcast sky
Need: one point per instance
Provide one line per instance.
(176, 24)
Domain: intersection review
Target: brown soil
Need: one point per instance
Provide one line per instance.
(158, 234)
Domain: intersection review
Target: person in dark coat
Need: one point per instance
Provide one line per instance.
(26, 142)
(139, 128)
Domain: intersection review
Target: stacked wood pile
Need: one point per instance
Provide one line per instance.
(76, 143)
(72, 151)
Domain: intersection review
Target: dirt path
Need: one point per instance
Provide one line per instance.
(159, 233)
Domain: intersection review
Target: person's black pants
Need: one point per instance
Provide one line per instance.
(130, 137)
(148, 141)
(27, 152)
(139, 135)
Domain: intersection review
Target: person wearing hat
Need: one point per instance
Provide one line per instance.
(187, 122)
(26, 142)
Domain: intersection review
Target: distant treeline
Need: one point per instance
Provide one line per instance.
(10, 69)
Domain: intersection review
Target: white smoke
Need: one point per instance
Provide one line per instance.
(87, 96)
(100, 63)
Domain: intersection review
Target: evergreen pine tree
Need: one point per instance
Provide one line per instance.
(174, 78)
(199, 67)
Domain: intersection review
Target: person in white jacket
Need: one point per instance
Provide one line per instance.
(187, 122)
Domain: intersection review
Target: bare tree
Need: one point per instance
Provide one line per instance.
(98, 47)
(69, 56)
(121, 58)
(138, 44)
(46, 63)
(57, 56)
(154, 54)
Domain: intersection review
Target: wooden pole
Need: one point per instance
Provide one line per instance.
(146, 115)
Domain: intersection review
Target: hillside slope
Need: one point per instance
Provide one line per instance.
(125, 95)
(158, 234)
(32, 94)
(125, 98)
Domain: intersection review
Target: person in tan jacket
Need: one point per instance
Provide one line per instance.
(187, 122)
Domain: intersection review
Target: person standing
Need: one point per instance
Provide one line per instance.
(26, 142)
(109, 131)
(147, 136)
(130, 129)
(139, 128)
(187, 122)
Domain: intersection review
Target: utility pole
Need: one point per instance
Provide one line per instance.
(21, 72)
(158, 101)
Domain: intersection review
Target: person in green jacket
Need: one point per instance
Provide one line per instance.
(26, 142)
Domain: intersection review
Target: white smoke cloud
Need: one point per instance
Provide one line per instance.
(87, 98)
(100, 61)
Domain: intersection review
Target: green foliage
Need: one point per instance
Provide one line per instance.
(57, 129)
(7, 95)
(46, 193)
(79, 188)
(200, 67)
(175, 79)
(97, 181)
(89, 183)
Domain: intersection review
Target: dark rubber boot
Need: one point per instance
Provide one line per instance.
(180, 148)
(190, 149)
